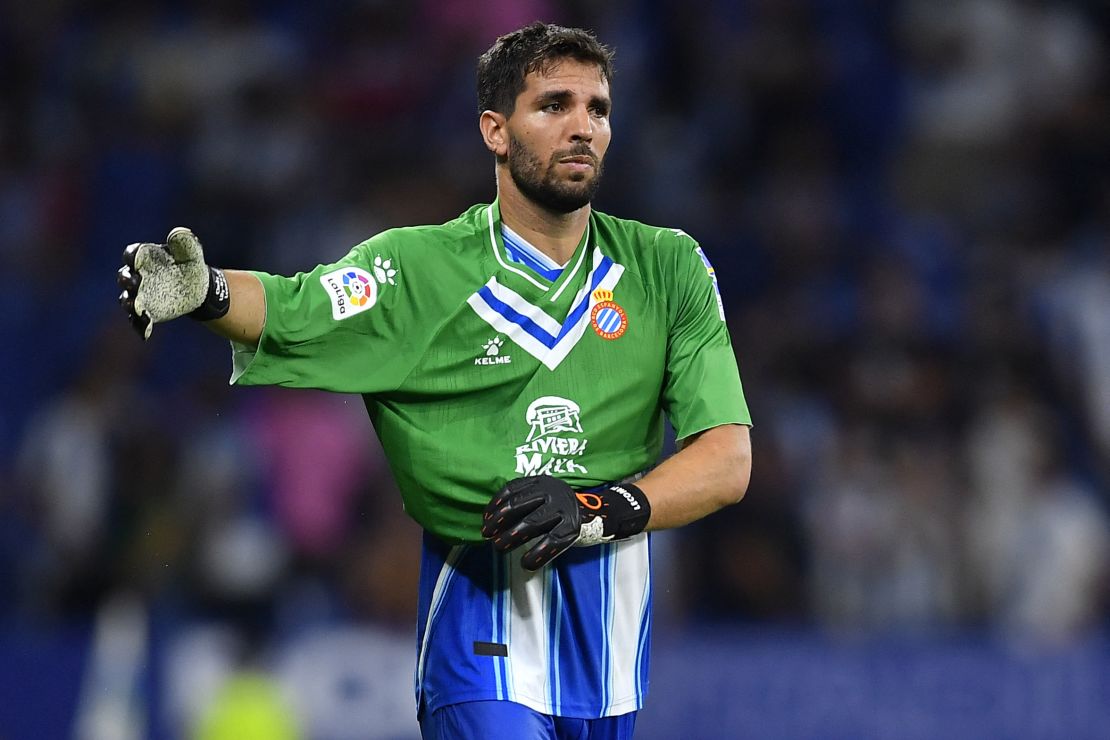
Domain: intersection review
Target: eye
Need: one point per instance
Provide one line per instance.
(599, 110)
(553, 107)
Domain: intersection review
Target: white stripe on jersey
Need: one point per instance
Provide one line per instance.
(629, 568)
(624, 583)
(528, 646)
(574, 270)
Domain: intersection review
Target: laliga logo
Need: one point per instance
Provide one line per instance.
(607, 318)
(351, 291)
(357, 288)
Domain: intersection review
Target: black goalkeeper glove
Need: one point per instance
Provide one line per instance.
(163, 281)
(547, 508)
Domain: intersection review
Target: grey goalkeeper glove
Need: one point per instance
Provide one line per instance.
(163, 281)
(548, 510)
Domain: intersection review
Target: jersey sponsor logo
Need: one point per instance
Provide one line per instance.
(607, 318)
(492, 353)
(551, 415)
(550, 449)
(712, 276)
(352, 290)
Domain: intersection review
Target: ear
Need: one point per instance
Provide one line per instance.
(494, 133)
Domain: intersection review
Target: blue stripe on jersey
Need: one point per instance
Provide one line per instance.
(518, 252)
(503, 663)
(603, 573)
(713, 276)
(497, 610)
(439, 585)
(581, 626)
(510, 313)
(607, 624)
(555, 627)
(452, 632)
(540, 334)
(645, 637)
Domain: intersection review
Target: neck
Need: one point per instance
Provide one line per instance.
(555, 234)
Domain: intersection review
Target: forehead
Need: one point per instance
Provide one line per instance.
(583, 78)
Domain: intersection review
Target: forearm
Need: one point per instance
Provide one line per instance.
(709, 472)
(246, 315)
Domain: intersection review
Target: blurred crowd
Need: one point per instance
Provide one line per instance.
(907, 204)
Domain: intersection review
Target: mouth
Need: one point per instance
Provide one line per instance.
(579, 165)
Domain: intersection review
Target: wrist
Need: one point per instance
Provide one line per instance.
(615, 512)
(217, 300)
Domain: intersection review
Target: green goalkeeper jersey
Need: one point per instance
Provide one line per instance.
(476, 370)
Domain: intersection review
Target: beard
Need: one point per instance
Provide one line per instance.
(542, 185)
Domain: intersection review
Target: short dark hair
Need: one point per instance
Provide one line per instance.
(535, 48)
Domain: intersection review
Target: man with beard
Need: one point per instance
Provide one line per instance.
(516, 363)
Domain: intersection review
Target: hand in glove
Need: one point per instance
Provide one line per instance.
(548, 510)
(163, 281)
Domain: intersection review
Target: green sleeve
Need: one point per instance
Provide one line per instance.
(702, 386)
(345, 326)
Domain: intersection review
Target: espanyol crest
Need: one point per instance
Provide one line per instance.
(607, 318)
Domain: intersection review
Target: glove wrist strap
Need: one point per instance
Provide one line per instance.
(615, 512)
(217, 301)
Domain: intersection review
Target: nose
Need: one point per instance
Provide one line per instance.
(582, 125)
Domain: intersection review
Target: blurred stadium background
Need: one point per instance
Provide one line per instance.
(908, 206)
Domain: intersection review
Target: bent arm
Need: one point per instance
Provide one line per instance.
(246, 314)
(710, 471)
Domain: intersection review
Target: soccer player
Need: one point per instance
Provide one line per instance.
(516, 363)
